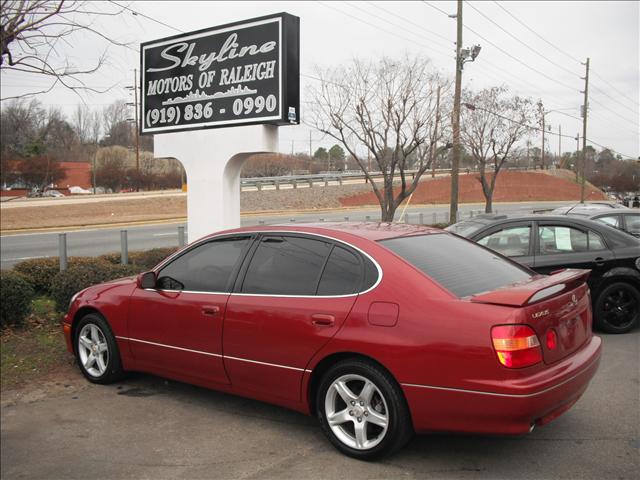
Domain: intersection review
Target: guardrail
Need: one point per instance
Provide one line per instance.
(323, 178)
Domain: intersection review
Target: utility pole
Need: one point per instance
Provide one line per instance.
(310, 146)
(434, 151)
(575, 168)
(559, 143)
(455, 162)
(135, 102)
(541, 108)
(585, 109)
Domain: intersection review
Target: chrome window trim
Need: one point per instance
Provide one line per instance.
(253, 232)
(218, 355)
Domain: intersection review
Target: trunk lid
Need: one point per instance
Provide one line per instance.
(557, 307)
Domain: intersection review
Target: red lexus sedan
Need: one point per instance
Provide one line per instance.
(381, 330)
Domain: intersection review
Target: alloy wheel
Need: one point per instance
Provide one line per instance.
(356, 411)
(93, 350)
(620, 307)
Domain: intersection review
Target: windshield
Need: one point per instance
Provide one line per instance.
(465, 228)
(460, 266)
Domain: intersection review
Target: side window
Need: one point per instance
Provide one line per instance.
(206, 268)
(562, 239)
(612, 220)
(342, 275)
(510, 241)
(633, 223)
(286, 266)
(595, 241)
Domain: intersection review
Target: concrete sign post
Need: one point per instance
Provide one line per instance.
(243, 76)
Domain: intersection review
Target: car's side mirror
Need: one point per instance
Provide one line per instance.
(148, 280)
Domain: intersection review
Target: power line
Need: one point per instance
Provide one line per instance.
(602, 92)
(520, 41)
(612, 86)
(536, 33)
(421, 27)
(371, 24)
(404, 28)
(136, 12)
(520, 61)
(503, 51)
(436, 8)
(614, 112)
(540, 130)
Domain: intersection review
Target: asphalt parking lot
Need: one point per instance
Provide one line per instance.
(146, 427)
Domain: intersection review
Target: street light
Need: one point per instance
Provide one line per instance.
(469, 54)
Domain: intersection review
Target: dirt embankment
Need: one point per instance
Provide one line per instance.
(166, 207)
(510, 187)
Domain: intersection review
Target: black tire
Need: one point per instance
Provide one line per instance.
(109, 369)
(387, 399)
(617, 308)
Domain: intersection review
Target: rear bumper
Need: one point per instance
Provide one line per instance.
(512, 410)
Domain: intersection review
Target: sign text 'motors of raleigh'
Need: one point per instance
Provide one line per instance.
(237, 74)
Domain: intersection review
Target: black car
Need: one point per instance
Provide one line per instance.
(547, 243)
(624, 219)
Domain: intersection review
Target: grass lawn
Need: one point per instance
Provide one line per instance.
(35, 350)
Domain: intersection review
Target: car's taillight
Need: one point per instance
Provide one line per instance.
(517, 346)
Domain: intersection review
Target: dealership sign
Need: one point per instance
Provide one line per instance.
(242, 73)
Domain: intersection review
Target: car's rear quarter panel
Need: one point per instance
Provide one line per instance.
(440, 352)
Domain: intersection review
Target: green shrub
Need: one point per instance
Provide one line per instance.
(17, 293)
(39, 271)
(84, 274)
(144, 259)
(147, 259)
(113, 258)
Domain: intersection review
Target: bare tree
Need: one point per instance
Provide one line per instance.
(32, 33)
(492, 123)
(82, 122)
(387, 108)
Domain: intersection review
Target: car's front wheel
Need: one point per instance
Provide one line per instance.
(362, 410)
(617, 308)
(96, 350)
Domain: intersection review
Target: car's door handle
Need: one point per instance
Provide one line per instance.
(599, 261)
(210, 310)
(322, 320)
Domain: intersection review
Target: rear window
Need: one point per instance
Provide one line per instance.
(458, 265)
(465, 228)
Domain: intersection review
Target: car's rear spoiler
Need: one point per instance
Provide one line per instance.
(539, 288)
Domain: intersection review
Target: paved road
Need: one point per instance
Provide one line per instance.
(146, 427)
(92, 242)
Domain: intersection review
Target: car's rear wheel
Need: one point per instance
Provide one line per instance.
(617, 308)
(362, 410)
(96, 350)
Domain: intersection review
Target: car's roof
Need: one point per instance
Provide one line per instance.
(486, 220)
(372, 231)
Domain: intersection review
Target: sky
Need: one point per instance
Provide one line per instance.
(535, 48)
